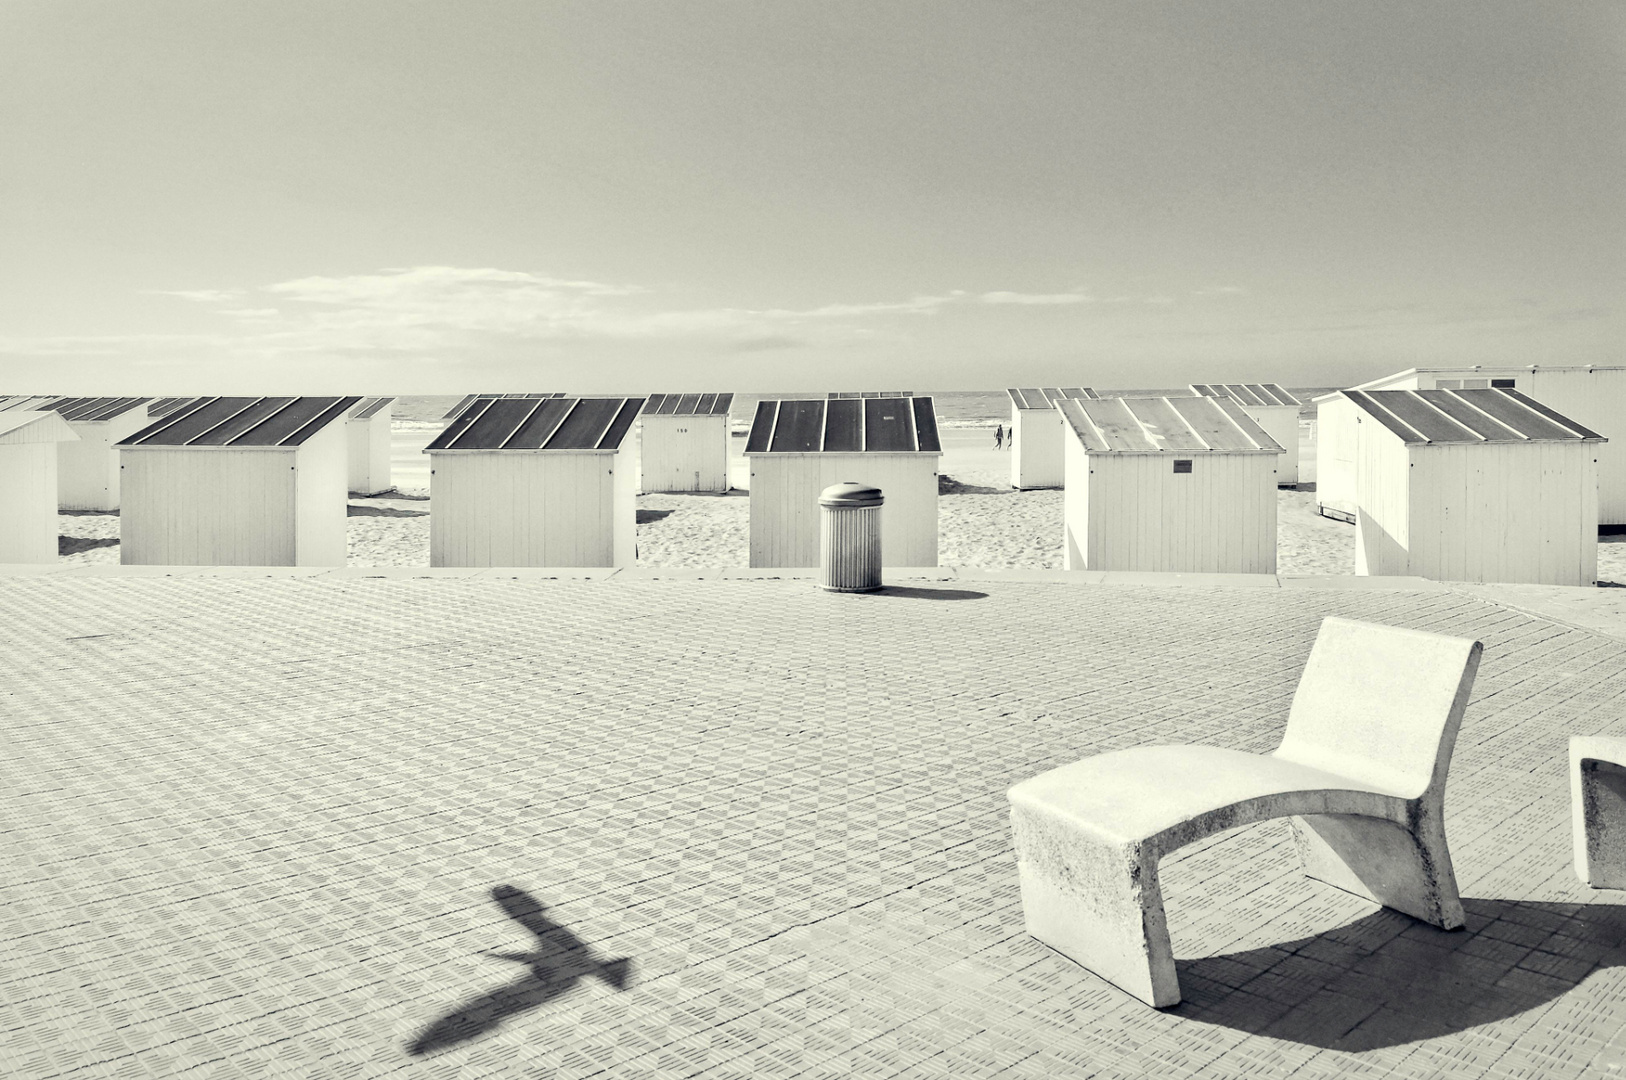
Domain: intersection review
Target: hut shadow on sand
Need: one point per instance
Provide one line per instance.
(559, 961)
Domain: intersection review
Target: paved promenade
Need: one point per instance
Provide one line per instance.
(332, 826)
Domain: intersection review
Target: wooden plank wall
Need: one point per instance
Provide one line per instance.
(369, 453)
(1038, 460)
(88, 470)
(321, 484)
(207, 507)
(1335, 455)
(28, 493)
(682, 453)
(1143, 516)
(512, 508)
(785, 505)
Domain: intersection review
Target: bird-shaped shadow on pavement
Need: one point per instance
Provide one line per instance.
(561, 960)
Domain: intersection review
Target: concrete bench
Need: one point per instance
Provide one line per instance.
(1598, 809)
(1362, 766)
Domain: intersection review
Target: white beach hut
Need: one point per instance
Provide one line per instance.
(1168, 484)
(367, 429)
(1594, 396)
(797, 448)
(1473, 485)
(28, 478)
(1275, 410)
(539, 481)
(1037, 449)
(683, 442)
(238, 481)
(87, 476)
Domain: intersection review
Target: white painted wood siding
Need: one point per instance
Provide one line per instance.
(1075, 503)
(1335, 442)
(1281, 423)
(1595, 398)
(682, 453)
(369, 453)
(87, 476)
(1136, 513)
(321, 503)
(785, 505)
(1495, 512)
(207, 506)
(28, 491)
(519, 508)
(1038, 458)
(1381, 477)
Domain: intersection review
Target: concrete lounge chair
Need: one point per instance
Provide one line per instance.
(1362, 765)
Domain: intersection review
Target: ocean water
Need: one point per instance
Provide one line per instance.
(955, 408)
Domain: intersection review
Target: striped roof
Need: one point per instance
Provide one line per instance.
(541, 423)
(165, 406)
(1046, 397)
(877, 425)
(28, 403)
(1163, 425)
(1449, 417)
(457, 410)
(869, 393)
(1247, 393)
(76, 410)
(242, 421)
(688, 404)
(369, 407)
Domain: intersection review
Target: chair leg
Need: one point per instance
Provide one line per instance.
(1098, 904)
(1598, 806)
(1405, 869)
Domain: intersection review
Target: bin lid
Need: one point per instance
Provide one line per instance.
(850, 494)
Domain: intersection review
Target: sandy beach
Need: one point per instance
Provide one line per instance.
(982, 522)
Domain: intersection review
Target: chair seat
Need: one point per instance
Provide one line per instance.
(1130, 795)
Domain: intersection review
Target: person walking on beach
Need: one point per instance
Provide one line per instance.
(999, 436)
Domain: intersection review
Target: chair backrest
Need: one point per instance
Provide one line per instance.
(1381, 704)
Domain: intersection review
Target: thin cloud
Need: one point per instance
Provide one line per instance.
(1035, 298)
(201, 296)
(450, 310)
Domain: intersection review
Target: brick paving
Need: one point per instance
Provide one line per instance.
(253, 828)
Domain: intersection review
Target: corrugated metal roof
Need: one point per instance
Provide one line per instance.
(34, 425)
(1046, 397)
(1445, 417)
(28, 403)
(1162, 425)
(540, 423)
(688, 404)
(242, 421)
(1247, 393)
(94, 409)
(457, 410)
(165, 406)
(369, 407)
(848, 425)
(868, 393)
(75, 410)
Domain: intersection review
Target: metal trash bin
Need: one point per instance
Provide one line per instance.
(850, 538)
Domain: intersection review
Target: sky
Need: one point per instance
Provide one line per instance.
(637, 197)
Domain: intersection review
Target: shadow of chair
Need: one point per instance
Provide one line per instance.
(1385, 980)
